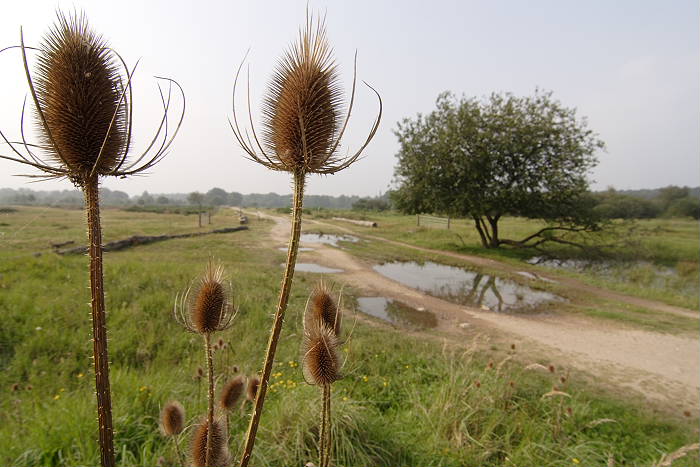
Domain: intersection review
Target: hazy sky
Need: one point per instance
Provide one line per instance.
(631, 67)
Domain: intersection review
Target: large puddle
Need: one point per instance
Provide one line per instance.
(466, 287)
(327, 239)
(312, 267)
(397, 313)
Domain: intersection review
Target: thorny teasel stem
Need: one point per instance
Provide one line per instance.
(99, 325)
(210, 412)
(293, 248)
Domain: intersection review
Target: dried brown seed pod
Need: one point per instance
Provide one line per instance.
(219, 450)
(208, 307)
(302, 111)
(252, 389)
(83, 120)
(323, 308)
(320, 360)
(172, 418)
(232, 392)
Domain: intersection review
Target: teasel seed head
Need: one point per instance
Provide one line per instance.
(82, 95)
(303, 120)
(323, 308)
(219, 450)
(172, 418)
(252, 389)
(208, 307)
(320, 359)
(232, 392)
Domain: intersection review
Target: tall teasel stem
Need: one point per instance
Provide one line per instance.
(99, 324)
(292, 250)
(210, 377)
(326, 427)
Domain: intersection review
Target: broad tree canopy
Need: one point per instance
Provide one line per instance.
(526, 156)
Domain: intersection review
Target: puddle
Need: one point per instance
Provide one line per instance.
(312, 267)
(327, 239)
(284, 248)
(466, 287)
(397, 313)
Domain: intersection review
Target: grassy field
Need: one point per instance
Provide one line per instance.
(656, 259)
(403, 401)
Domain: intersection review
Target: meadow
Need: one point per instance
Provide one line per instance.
(405, 400)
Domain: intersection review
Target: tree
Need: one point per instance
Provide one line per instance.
(196, 198)
(524, 156)
(216, 197)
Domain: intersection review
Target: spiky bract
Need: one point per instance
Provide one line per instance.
(219, 450)
(320, 360)
(81, 95)
(172, 418)
(207, 307)
(232, 392)
(252, 389)
(322, 307)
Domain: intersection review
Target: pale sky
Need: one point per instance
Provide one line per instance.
(631, 67)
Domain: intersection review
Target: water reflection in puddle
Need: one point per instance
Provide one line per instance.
(327, 239)
(312, 267)
(397, 313)
(466, 287)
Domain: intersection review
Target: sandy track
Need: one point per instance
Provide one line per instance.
(663, 368)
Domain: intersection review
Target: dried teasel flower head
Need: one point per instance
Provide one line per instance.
(172, 418)
(302, 111)
(323, 308)
(82, 95)
(252, 389)
(207, 306)
(232, 392)
(320, 360)
(219, 451)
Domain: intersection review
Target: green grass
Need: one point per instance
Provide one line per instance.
(404, 401)
(637, 266)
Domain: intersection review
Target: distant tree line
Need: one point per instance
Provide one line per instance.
(214, 197)
(671, 201)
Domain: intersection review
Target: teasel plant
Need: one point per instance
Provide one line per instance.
(204, 308)
(321, 363)
(82, 95)
(230, 395)
(172, 423)
(303, 125)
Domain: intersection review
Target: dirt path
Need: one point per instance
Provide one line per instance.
(661, 367)
(567, 281)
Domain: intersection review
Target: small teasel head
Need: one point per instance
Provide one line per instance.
(303, 119)
(219, 451)
(172, 418)
(320, 359)
(232, 392)
(323, 308)
(208, 306)
(252, 389)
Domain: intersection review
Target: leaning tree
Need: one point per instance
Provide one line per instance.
(503, 155)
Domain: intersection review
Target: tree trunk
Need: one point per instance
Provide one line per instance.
(493, 221)
(482, 234)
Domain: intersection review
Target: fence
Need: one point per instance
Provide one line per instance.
(432, 221)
